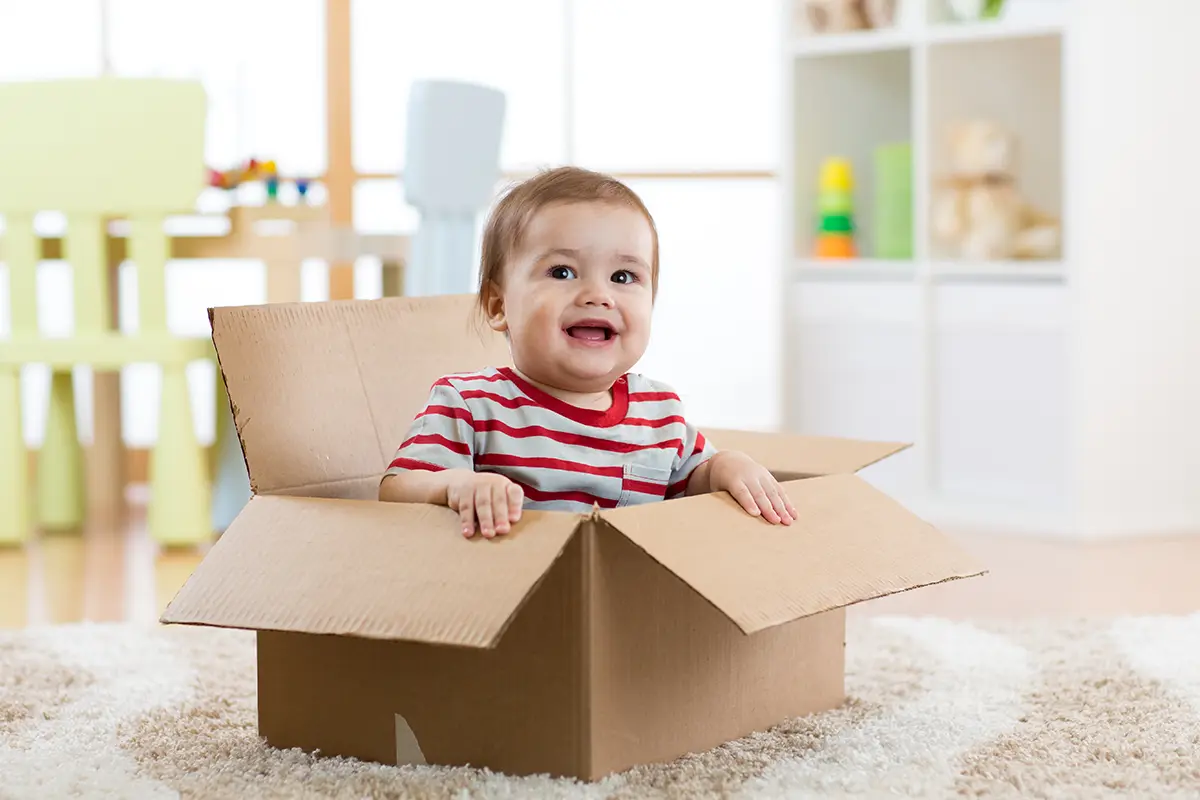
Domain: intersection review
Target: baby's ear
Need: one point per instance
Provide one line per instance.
(493, 308)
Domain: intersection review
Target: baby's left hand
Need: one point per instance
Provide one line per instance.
(752, 485)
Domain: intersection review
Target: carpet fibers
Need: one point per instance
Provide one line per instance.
(1071, 709)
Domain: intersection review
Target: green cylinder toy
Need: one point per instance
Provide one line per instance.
(893, 201)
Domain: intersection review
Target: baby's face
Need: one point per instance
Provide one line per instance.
(577, 295)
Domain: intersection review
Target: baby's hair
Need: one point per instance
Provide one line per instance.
(511, 215)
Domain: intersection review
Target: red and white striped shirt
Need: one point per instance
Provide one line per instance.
(565, 458)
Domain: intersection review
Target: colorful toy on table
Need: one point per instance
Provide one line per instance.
(835, 205)
(255, 170)
(270, 175)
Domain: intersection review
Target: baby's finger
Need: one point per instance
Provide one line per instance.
(516, 498)
(741, 493)
(764, 503)
(777, 502)
(500, 508)
(483, 510)
(466, 515)
(788, 504)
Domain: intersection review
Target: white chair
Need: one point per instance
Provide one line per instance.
(451, 168)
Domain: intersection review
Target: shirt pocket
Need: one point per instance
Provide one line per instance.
(642, 483)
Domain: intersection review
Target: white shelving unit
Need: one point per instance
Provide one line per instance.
(1041, 396)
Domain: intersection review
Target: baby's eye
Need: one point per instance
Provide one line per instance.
(561, 273)
(623, 276)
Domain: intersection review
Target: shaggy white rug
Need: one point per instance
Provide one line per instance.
(1077, 709)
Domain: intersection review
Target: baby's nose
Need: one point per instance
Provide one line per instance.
(591, 295)
(596, 299)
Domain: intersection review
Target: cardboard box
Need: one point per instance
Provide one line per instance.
(577, 645)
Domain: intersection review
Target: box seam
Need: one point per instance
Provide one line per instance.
(587, 649)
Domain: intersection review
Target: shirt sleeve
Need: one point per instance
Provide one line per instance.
(695, 451)
(441, 437)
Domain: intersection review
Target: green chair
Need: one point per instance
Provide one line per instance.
(93, 150)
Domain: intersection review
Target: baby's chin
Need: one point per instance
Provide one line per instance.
(578, 376)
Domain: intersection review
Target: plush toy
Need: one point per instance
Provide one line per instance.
(840, 16)
(978, 211)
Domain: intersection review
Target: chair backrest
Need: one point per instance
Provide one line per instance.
(93, 148)
(453, 139)
(103, 145)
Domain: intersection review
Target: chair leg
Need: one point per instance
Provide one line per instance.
(179, 512)
(60, 482)
(15, 503)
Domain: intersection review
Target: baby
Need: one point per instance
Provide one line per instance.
(569, 274)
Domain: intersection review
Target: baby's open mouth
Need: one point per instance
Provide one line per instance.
(591, 331)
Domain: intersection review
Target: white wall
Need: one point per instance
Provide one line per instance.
(1136, 69)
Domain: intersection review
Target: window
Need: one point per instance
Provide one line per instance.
(35, 44)
(262, 62)
(514, 46)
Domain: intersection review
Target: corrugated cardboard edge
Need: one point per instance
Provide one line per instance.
(765, 448)
(192, 606)
(897, 448)
(750, 630)
(973, 568)
(233, 411)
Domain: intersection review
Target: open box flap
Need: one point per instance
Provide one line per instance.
(851, 543)
(789, 456)
(370, 569)
(323, 393)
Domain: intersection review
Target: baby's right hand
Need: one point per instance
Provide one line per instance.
(492, 499)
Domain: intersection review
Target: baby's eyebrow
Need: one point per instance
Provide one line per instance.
(559, 251)
(568, 252)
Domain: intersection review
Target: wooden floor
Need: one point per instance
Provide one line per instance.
(115, 572)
